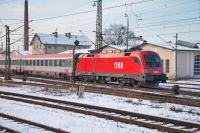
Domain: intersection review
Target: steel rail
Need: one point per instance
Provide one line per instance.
(118, 92)
(93, 111)
(7, 130)
(49, 128)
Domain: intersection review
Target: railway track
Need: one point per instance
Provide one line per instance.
(198, 85)
(166, 97)
(154, 122)
(148, 89)
(4, 129)
(26, 124)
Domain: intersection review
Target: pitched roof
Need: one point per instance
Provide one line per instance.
(181, 46)
(61, 39)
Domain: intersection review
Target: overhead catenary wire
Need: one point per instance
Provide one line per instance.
(89, 11)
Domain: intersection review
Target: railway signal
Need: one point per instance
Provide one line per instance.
(73, 71)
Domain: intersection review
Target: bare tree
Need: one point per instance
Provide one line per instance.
(116, 35)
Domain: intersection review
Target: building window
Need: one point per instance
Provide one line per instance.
(167, 66)
(197, 65)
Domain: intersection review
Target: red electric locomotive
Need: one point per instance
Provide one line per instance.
(134, 68)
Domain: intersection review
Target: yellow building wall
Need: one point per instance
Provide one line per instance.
(37, 47)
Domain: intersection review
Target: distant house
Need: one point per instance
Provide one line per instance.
(188, 58)
(121, 48)
(57, 43)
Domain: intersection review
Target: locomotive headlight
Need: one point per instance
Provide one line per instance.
(145, 70)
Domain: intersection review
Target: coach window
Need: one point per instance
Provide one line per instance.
(42, 62)
(50, 62)
(64, 63)
(167, 66)
(60, 62)
(38, 63)
(46, 62)
(67, 63)
(70, 63)
(24, 62)
(31, 62)
(136, 60)
(55, 63)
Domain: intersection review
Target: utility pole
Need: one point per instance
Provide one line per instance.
(127, 30)
(7, 57)
(26, 26)
(176, 71)
(99, 37)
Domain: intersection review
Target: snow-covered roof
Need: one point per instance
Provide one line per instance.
(119, 47)
(181, 45)
(83, 51)
(61, 39)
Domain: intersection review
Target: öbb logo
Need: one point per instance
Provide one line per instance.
(118, 65)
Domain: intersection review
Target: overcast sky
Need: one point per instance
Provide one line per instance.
(148, 18)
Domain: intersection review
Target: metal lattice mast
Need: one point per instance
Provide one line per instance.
(99, 37)
(7, 57)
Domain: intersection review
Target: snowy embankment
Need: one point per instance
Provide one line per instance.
(80, 123)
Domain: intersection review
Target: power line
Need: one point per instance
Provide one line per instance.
(179, 25)
(172, 33)
(89, 11)
(158, 23)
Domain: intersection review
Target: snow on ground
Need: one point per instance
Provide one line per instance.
(69, 121)
(72, 122)
(194, 88)
(79, 123)
(190, 81)
(168, 110)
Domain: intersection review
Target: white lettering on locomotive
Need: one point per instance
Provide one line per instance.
(118, 65)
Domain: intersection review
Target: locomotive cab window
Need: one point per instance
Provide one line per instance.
(136, 60)
(152, 60)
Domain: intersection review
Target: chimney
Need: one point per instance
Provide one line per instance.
(68, 34)
(55, 34)
(26, 27)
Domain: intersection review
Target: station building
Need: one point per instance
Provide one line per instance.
(188, 58)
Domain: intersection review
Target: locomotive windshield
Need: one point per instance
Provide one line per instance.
(152, 60)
